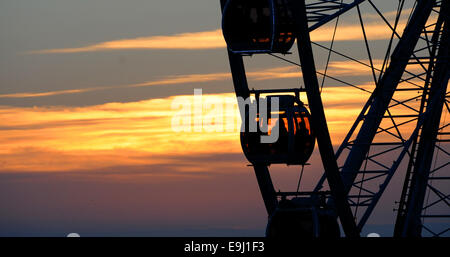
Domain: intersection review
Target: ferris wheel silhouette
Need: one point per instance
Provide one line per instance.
(401, 129)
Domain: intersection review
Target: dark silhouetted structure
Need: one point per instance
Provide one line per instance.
(391, 133)
(295, 141)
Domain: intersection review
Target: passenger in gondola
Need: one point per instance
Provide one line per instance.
(258, 26)
(253, 141)
(260, 20)
(281, 146)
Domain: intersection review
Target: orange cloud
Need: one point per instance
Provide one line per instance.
(213, 39)
(68, 138)
(186, 41)
(170, 80)
(50, 93)
(353, 32)
(140, 133)
(342, 68)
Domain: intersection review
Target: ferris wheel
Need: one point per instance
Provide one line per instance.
(402, 129)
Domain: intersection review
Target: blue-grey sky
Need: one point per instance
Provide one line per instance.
(28, 26)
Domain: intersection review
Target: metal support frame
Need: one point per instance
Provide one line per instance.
(387, 155)
(362, 151)
(411, 223)
(326, 13)
(384, 92)
(319, 123)
(241, 89)
(319, 11)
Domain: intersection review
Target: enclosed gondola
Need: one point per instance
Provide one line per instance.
(258, 26)
(295, 142)
(302, 217)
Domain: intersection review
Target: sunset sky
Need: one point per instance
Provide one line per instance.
(87, 92)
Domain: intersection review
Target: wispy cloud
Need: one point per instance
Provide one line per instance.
(169, 80)
(49, 93)
(113, 134)
(186, 41)
(374, 31)
(213, 39)
(136, 133)
(336, 68)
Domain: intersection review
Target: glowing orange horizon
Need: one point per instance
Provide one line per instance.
(136, 133)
